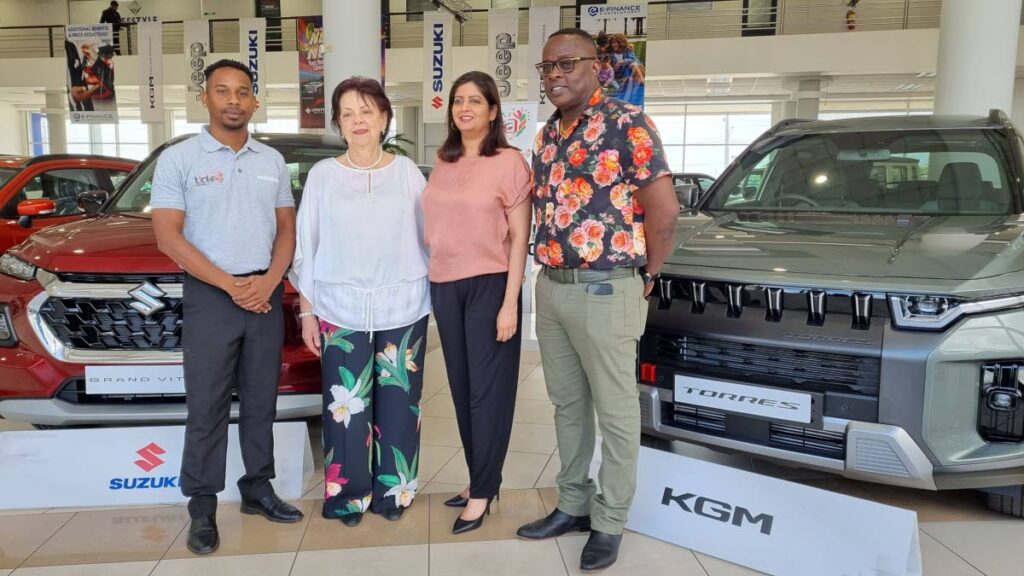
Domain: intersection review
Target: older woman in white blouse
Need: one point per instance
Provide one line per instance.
(361, 269)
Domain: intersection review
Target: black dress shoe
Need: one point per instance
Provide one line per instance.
(203, 537)
(393, 514)
(457, 501)
(352, 520)
(272, 508)
(601, 551)
(554, 524)
(469, 525)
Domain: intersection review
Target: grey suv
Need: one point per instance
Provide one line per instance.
(849, 297)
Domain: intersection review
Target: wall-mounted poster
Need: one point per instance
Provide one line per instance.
(89, 50)
(311, 71)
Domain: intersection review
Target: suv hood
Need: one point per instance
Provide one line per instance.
(107, 244)
(861, 245)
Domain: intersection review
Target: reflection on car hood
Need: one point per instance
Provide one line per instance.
(868, 246)
(110, 244)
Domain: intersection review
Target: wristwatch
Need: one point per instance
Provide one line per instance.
(647, 276)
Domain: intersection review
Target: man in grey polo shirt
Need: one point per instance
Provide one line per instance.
(223, 210)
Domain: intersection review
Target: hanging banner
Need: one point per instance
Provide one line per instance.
(197, 54)
(438, 28)
(621, 35)
(90, 62)
(502, 39)
(520, 125)
(151, 72)
(309, 36)
(543, 22)
(252, 42)
(767, 524)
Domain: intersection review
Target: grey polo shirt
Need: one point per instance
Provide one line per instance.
(229, 198)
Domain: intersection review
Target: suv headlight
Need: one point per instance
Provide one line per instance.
(928, 312)
(13, 266)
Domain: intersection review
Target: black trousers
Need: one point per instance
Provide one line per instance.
(227, 348)
(482, 372)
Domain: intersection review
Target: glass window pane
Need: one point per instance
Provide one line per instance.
(108, 149)
(708, 160)
(675, 158)
(79, 148)
(78, 133)
(134, 151)
(745, 128)
(671, 128)
(735, 151)
(705, 129)
(108, 133)
(132, 131)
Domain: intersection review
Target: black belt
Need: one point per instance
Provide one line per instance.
(585, 276)
(253, 273)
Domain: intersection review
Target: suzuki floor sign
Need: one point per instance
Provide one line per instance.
(771, 525)
(115, 466)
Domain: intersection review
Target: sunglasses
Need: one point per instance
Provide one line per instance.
(566, 65)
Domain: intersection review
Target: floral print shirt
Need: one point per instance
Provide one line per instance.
(585, 209)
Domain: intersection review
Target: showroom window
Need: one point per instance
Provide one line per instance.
(706, 143)
(126, 139)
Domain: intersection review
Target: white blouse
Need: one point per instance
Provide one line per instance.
(359, 255)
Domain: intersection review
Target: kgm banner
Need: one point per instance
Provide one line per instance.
(127, 466)
(151, 71)
(502, 39)
(197, 52)
(770, 525)
(252, 36)
(438, 28)
(543, 22)
(621, 36)
(309, 35)
(89, 49)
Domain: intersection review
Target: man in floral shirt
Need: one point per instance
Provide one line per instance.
(605, 213)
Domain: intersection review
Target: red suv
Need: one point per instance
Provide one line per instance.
(44, 190)
(90, 315)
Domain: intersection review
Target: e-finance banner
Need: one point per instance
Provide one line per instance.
(502, 38)
(621, 35)
(90, 60)
(252, 42)
(438, 28)
(309, 34)
(543, 22)
(197, 53)
(151, 72)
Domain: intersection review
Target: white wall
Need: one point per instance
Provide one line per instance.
(34, 12)
(13, 139)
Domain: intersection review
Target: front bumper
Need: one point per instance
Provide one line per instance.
(56, 412)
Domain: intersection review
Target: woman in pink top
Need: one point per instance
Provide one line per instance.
(476, 224)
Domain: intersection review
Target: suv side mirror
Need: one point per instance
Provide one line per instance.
(688, 195)
(38, 207)
(91, 201)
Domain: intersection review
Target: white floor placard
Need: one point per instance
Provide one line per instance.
(771, 525)
(128, 466)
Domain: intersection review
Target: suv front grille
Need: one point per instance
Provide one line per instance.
(112, 324)
(769, 366)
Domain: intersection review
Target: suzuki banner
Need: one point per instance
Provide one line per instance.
(151, 72)
(252, 40)
(502, 39)
(197, 52)
(543, 22)
(767, 524)
(621, 36)
(309, 37)
(438, 28)
(90, 73)
(128, 466)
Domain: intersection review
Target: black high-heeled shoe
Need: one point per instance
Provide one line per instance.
(470, 525)
(460, 501)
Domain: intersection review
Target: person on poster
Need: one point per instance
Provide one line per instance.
(223, 210)
(80, 92)
(605, 213)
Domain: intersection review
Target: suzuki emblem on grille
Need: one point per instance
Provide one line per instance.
(147, 299)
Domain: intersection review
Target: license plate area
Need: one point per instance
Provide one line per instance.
(135, 379)
(761, 402)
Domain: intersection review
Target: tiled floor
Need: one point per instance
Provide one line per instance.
(959, 537)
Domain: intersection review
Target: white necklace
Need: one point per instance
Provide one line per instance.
(352, 163)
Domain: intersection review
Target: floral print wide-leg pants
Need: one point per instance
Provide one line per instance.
(372, 384)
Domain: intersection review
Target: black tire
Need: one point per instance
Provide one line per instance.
(1008, 501)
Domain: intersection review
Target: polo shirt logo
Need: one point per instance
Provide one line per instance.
(266, 178)
(211, 178)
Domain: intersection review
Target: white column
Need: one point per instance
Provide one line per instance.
(157, 134)
(407, 125)
(783, 110)
(352, 31)
(977, 56)
(1017, 114)
(808, 99)
(56, 114)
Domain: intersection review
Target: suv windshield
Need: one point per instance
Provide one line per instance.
(134, 196)
(905, 172)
